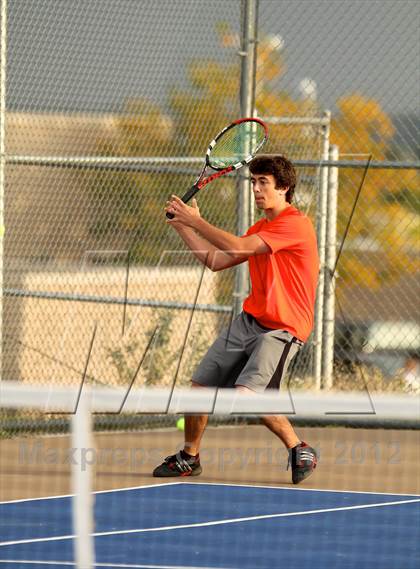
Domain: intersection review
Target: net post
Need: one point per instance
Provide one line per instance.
(3, 70)
(330, 256)
(82, 468)
(321, 235)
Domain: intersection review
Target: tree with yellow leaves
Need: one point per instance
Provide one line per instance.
(382, 241)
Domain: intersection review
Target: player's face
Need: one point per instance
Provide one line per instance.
(266, 194)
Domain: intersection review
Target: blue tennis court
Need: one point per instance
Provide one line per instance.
(203, 525)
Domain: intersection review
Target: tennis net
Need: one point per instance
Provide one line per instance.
(87, 498)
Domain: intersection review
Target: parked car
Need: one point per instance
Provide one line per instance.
(392, 347)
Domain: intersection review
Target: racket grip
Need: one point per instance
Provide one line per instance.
(185, 198)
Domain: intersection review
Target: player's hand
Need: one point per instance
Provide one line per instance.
(183, 213)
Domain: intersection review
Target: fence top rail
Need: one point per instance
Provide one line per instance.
(137, 163)
(321, 121)
(289, 120)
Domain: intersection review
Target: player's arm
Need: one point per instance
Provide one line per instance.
(236, 247)
(239, 248)
(205, 252)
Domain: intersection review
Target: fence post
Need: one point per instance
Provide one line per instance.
(330, 256)
(3, 54)
(247, 90)
(321, 235)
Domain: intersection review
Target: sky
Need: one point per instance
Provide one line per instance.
(368, 46)
(91, 55)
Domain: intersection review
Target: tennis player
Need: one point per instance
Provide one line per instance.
(254, 352)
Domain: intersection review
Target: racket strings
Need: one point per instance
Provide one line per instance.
(237, 144)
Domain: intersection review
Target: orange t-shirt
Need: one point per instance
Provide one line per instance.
(284, 280)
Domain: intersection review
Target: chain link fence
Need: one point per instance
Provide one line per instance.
(345, 56)
(108, 107)
(377, 286)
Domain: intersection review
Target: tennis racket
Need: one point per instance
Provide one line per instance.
(233, 147)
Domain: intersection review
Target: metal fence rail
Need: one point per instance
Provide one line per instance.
(137, 164)
(115, 300)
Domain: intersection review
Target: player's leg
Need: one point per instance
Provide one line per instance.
(194, 429)
(265, 369)
(278, 424)
(186, 462)
(282, 428)
(220, 367)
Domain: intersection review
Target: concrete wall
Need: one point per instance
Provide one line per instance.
(55, 335)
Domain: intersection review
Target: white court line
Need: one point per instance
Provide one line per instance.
(96, 492)
(296, 489)
(117, 565)
(213, 523)
(215, 484)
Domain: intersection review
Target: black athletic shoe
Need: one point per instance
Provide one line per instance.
(303, 459)
(177, 465)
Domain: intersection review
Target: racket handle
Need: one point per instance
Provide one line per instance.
(185, 198)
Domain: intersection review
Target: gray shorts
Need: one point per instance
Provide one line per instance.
(247, 354)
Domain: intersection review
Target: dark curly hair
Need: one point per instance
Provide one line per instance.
(278, 166)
